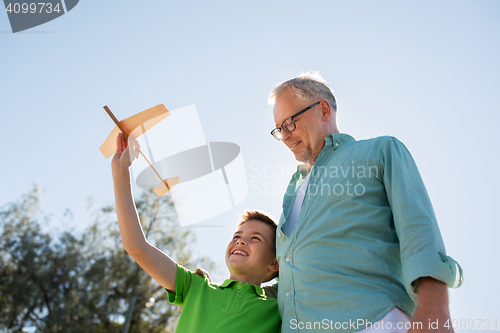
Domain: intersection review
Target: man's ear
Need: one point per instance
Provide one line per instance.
(326, 110)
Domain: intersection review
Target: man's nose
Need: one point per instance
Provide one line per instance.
(241, 241)
(285, 135)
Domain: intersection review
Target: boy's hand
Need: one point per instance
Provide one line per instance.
(126, 152)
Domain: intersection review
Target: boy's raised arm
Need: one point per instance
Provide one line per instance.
(156, 263)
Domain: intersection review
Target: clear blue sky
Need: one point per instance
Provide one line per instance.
(426, 72)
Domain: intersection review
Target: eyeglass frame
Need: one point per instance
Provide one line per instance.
(293, 122)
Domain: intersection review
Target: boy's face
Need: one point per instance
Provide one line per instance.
(252, 250)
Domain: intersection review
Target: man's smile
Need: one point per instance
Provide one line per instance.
(294, 145)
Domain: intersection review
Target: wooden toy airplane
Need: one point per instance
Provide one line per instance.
(137, 125)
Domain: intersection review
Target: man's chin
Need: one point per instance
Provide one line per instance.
(300, 157)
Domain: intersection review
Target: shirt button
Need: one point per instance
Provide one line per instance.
(287, 259)
(287, 294)
(239, 287)
(279, 234)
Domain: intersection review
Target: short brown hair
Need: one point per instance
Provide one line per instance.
(259, 215)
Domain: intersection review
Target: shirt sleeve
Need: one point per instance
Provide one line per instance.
(422, 247)
(183, 281)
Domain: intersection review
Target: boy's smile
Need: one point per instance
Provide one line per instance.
(239, 252)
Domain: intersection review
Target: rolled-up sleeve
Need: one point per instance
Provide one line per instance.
(182, 284)
(422, 247)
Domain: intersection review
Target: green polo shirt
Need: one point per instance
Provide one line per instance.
(365, 233)
(228, 307)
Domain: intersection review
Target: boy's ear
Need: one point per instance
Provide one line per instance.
(274, 266)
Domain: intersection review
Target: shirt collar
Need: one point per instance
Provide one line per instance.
(337, 139)
(228, 283)
(304, 169)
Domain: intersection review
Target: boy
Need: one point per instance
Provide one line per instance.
(238, 304)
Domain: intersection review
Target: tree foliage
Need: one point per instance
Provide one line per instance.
(85, 282)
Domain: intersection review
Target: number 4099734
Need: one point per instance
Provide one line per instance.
(40, 7)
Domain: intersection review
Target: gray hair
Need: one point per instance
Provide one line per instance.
(308, 86)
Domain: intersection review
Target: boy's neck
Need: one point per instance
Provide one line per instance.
(246, 279)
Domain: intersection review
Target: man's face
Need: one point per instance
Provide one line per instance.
(307, 140)
(251, 250)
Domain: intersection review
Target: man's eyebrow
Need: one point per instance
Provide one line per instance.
(281, 122)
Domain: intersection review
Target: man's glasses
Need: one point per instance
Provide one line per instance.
(288, 124)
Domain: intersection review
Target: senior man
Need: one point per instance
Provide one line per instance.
(358, 243)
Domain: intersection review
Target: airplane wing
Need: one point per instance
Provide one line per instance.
(135, 125)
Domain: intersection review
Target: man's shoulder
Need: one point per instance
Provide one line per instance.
(361, 150)
(366, 146)
(378, 141)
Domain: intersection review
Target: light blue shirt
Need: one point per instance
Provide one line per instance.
(366, 232)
